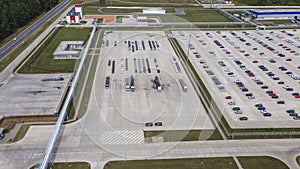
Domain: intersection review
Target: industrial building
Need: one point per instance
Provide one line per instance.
(68, 50)
(154, 11)
(75, 14)
(274, 14)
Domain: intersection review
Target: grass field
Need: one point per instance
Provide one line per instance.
(196, 163)
(262, 162)
(183, 135)
(9, 122)
(90, 10)
(42, 60)
(204, 16)
(147, 3)
(71, 165)
(275, 21)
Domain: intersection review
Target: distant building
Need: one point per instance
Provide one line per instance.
(142, 19)
(154, 11)
(274, 14)
(68, 50)
(75, 14)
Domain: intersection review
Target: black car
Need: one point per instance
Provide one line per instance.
(290, 111)
(259, 105)
(295, 94)
(236, 108)
(243, 118)
(280, 102)
(249, 94)
(244, 89)
(269, 91)
(275, 97)
(281, 82)
(149, 124)
(267, 114)
(158, 124)
(264, 87)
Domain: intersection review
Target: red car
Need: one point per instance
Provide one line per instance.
(272, 94)
(297, 97)
(251, 74)
(240, 85)
(288, 59)
(228, 97)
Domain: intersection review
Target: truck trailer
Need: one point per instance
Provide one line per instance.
(183, 85)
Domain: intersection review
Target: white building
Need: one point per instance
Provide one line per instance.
(68, 50)
(154, 11)
(75, 14)
(78, 8)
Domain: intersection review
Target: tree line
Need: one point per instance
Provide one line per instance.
(17, 13)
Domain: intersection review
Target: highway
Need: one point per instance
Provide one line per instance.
(22, 36)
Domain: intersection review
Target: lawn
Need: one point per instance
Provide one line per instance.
(8, 122)
(261, 162)
(275, 21)
(71, 165)
(42, 60)
(196, 163)
(147, 3)
(204, 16)
(87, 10)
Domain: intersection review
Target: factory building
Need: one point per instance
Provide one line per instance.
(275, 14)
(75, 14)
(68, 50)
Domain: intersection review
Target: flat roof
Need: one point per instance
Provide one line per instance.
(275, 12)
(63, 47)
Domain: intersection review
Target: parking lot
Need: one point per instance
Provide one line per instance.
(27, 95)
(252, 75)
(137, 86)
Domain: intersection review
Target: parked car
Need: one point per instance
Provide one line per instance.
(231, 103)
(148, 124)
(243, 118)
(158, 124)
(228, 97)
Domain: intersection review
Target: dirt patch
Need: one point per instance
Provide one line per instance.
(106, 18)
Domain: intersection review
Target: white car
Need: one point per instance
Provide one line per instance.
(231, 103)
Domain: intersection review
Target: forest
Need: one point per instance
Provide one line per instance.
(16, 13)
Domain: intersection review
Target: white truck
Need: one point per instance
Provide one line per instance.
(183, 85)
